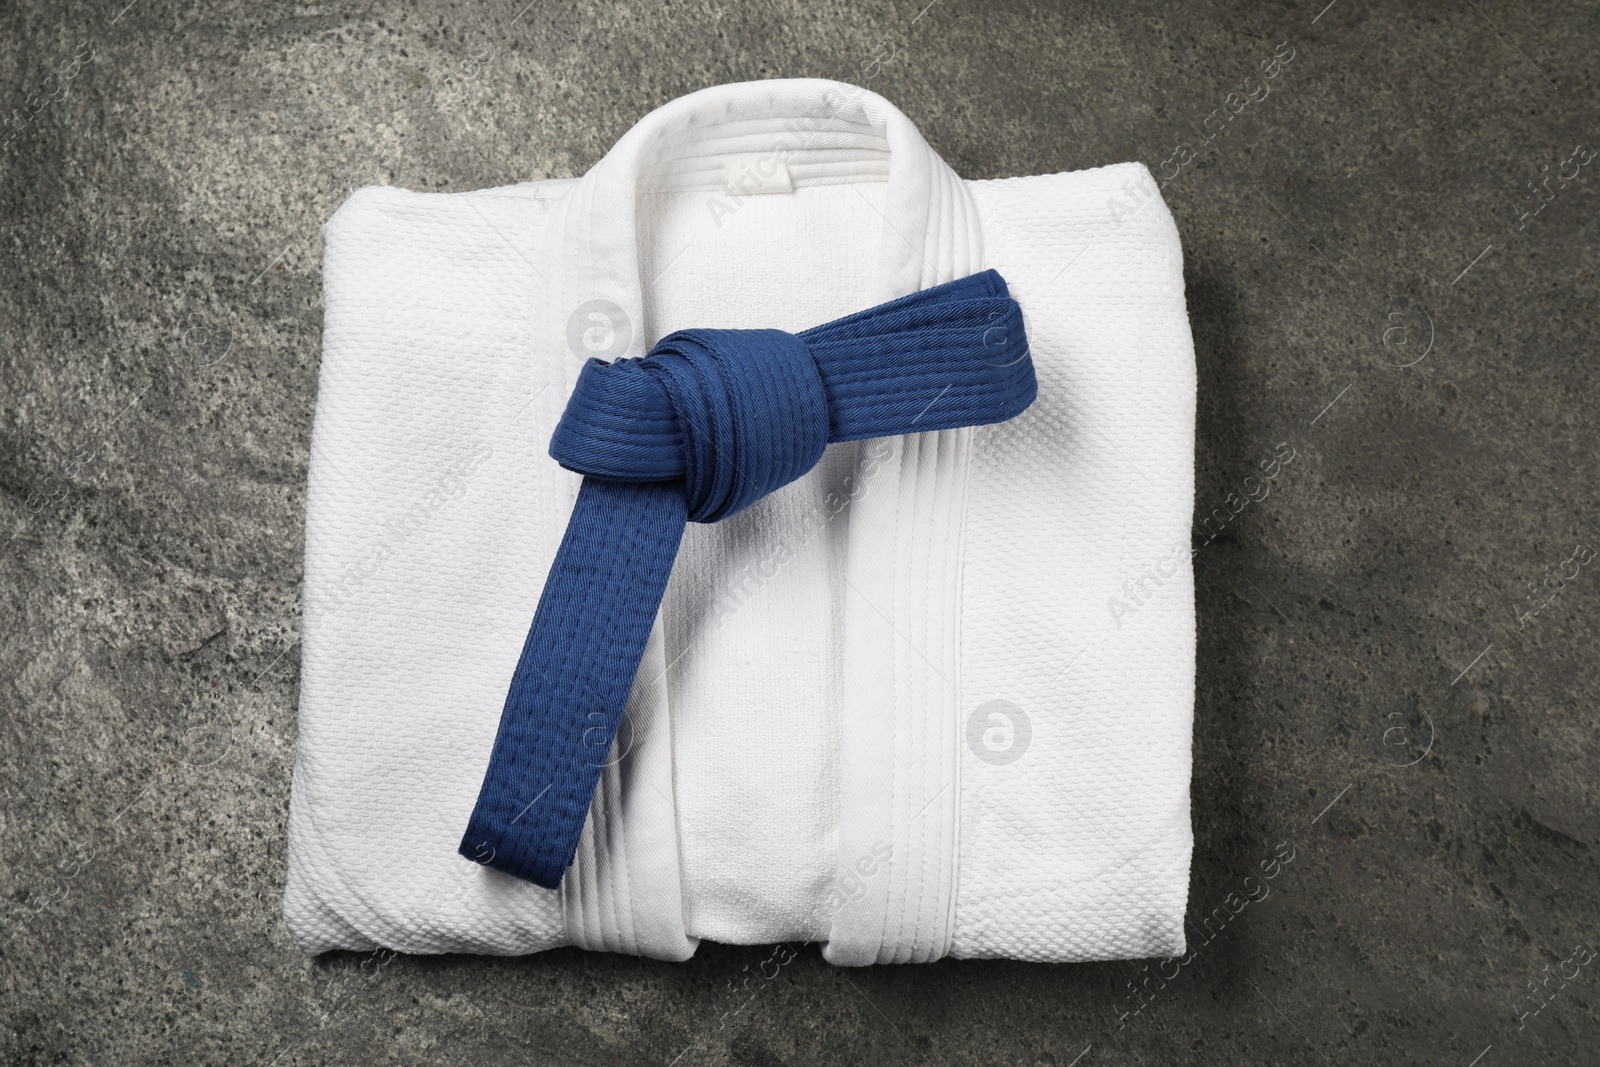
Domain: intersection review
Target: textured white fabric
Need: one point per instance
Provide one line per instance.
(932, 699)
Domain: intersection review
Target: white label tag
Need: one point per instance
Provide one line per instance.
(751, 175)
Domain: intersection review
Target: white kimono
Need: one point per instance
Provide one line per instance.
(934, 698)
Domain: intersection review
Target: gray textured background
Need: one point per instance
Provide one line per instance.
(1365, 637)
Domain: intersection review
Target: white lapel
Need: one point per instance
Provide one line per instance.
(898, 602)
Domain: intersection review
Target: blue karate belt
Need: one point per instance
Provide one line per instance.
(706, 424)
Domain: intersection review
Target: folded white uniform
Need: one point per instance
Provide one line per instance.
(932, 699)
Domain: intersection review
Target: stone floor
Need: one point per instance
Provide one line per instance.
(1396, 658)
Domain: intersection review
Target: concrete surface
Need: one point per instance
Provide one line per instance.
(1374, 688)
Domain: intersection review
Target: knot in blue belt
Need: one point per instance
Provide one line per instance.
(706, 424)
